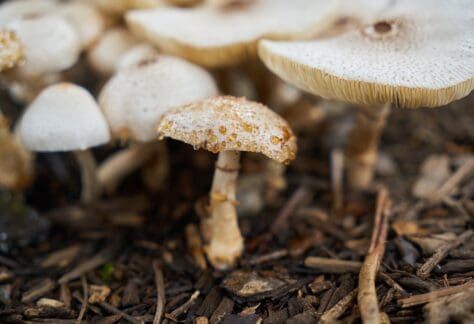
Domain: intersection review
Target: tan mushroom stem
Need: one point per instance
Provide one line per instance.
(361, 148)
(114, 169)
(88, 167)
(226, 242)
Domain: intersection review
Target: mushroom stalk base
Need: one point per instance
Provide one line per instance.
(90, 186)
(361, 148)
(226, 242)
(113, 170)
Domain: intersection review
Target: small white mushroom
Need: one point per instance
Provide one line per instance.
(51, 44)
(11, 50)
(228, 125)
(104, 55)
(139, 53)
(118, 7)
(18, 9)
(408, 53)
(85, 18)
(214, 36)
(135, 98)
(65, 117)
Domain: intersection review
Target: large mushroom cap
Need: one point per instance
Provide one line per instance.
(228, 123)
(414, 53)
(213, 36)
(134, 99)
(51, 43)
(11, 50)
(63, 117)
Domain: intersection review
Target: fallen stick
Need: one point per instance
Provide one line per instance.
(367, 295)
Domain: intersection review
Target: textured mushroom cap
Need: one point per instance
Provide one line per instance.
(86, 20)
(121, 6)
(51, 44)
(12, 10)
(138, 53)
(220, 36)
(11, 50)
(228, 123)
(106, 52)
(63, 117)
(414, 54)
(134, 99)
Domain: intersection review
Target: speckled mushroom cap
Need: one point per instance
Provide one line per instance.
(63, 117)
(226, 123)
(135, 98)
(51, 44)
(414, 54)
(214, 37)
(12, 10)
(11, 50)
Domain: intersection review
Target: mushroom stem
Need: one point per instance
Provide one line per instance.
(361, 149)
(90, 185)
(226, 242)
(115, 168)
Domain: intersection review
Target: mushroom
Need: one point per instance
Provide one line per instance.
(51, 44)
(141, 52)
(16, 167)
(85, 18)
(212, 36)
(228, 125)
(65, 117)
(104, 55)
(11, 50)
(134, 100)
(13, 10)
(118, 7)
(410, 54)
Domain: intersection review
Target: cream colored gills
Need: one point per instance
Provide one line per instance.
(408, 53)
(214, 36)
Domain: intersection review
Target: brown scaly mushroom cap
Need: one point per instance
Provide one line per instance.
(411, 53)
(11, 50)
(226, 123)
(214, 36)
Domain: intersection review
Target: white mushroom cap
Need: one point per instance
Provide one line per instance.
(85, 18)
(138, 53)
(64, 117)
(228, 123)
(18, 9)
(104, 55)
(414, 54)
(215, 36)
(51, 44)
(121, 6)
(11, 50)
(134, 99)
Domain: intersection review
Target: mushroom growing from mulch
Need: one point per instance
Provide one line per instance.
(410, 54)
(65, 117)
(134, 100)
(228, 125)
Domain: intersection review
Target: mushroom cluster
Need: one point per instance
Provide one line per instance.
(97, 75)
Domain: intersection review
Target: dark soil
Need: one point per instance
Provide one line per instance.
(103, 263)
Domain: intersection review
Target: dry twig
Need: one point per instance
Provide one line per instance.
(85, 298)
(425, 270)
(331, 315)
(160, 293)
(421, 299)
(367, 296)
